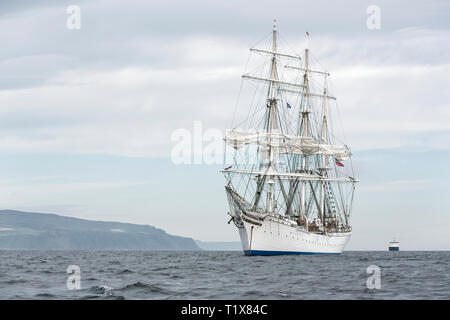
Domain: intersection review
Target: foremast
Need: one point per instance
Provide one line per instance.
(272, 102)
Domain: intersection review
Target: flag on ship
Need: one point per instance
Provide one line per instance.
(340, 164)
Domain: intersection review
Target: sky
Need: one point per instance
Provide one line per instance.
(87, 115)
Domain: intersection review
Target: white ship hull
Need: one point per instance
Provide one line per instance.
(277, 237)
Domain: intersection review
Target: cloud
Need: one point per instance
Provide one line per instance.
(132, 110)
(60, 196)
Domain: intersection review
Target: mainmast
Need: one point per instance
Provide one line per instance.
(304, 132)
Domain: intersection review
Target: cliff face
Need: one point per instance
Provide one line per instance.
(38, 231)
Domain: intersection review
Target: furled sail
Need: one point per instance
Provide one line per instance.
(284, 143)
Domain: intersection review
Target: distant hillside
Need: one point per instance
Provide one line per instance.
(38, 231)
(219, 246)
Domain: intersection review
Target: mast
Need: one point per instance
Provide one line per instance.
(324, 164)
(304, 133)
(273, 104)
(272, 98)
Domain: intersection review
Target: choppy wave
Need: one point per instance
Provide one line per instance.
(124, 271)
(223, 275)
(102, 289)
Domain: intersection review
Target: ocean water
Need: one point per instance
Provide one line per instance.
(222, 275)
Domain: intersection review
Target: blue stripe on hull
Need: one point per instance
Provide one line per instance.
(275, 253)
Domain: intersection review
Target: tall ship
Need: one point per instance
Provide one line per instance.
(289, 179)
(394, 245)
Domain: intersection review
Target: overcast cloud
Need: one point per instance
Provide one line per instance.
(138, 70)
